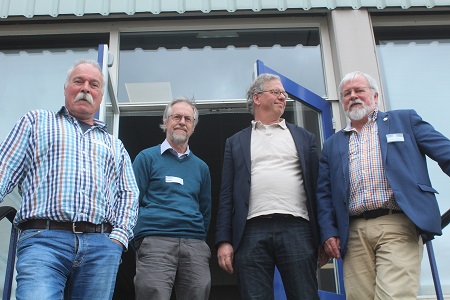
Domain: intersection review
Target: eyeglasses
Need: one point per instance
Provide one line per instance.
(276, 92)
(187, 119)
(358, 91)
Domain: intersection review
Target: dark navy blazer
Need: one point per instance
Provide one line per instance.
(236, 181)
(406, 169)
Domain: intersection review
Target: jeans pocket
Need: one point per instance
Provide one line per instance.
(26, 234)
(118, 245)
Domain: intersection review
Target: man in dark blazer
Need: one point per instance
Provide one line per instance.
(267, 210)
(376, 205)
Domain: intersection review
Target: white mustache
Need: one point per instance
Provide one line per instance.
(182, 127)
(357, 101)
(84, 96)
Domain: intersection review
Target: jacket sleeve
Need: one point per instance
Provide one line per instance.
(431, 142)
(224, 214)
(326, 215)
(205, 198)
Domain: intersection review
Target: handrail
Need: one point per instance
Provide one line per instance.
(445, 219)
(9, 213)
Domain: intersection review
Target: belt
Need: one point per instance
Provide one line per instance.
(277, 216)
(372, 214)
(75, 227)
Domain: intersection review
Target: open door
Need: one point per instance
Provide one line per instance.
(109, 108)
(313, 113)
(307, 98)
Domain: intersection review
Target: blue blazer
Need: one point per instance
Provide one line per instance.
(406, 170)
(236, 181)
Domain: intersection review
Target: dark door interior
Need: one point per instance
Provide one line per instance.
(207, 142)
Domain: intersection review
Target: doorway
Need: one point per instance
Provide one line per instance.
(208, 142)
(218, 121)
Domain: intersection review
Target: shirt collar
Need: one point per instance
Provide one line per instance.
(372, 117)
(166, 146)
(63, 111)
(281, 123)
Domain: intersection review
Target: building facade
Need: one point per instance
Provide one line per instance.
(207, 50)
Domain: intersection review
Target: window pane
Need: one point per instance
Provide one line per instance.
(33, 74)
(415, 75)
(215, 65)
(309, 119)
(34, 80)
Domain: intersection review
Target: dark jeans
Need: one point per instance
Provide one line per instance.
(284, 242)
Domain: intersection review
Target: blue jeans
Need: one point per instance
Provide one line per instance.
(284, 242)
(58, 264)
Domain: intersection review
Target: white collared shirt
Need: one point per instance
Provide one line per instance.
(166, 146)
(276, 177)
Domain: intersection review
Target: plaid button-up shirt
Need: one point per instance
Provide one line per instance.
(369, 187)
(65, 174)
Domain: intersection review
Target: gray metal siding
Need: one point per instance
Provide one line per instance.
(55, 8)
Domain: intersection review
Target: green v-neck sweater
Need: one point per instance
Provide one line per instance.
(175, 195)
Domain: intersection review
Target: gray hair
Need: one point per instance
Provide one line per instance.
(257, 87)
(81, 62)
(168, 110)
(352, 75)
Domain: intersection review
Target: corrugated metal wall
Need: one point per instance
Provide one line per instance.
(55, 8)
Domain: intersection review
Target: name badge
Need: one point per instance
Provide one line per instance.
(395, 137)
(173, 179)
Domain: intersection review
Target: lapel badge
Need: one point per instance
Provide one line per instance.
(385, 119)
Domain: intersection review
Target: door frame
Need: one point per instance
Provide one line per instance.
(323, 108)
(306, 97)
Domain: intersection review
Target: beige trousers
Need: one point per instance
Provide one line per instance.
(383, 259)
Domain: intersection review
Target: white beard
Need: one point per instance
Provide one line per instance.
(358, 114)
(178, 138)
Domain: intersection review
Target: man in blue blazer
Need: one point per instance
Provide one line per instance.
(376, 205)
(267, 210)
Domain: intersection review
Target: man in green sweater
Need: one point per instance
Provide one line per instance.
(174, 212)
